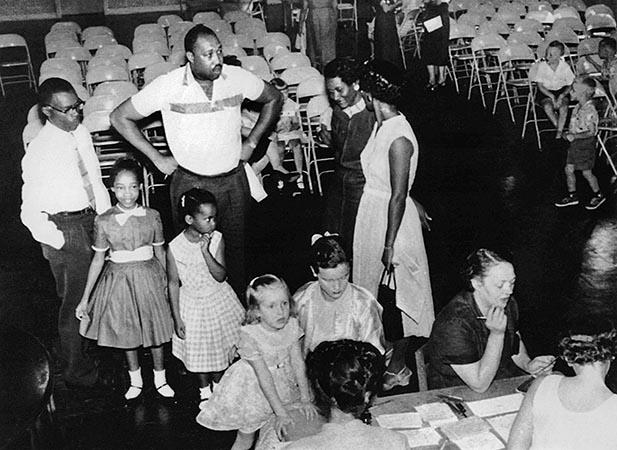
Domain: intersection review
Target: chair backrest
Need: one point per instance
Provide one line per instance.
(565, 35)
(600, 22)
(114, 51)
(272, 50)
(35, 114)
(542, 16)
(97, 121)
(317, 106)
(254, 33)
(311, 87)
(238, 52)
(142, 60)
(490, 41)
(96, 31)
(274, 38)
(572, 23)
(120, 89)
(220, 27)
(599, 9)
(61, 36)
(66, 26)
(295, 75)
(155, 70)
(97, 41)
(588, 46)
(101, 103)
(149, 29)
(235, 16)
(106, 61)
(539, 6)
(238, 40)
(462, 31)
(516, 9)
(515, 52)
(508, 17)
(529, 24)
(100, 74)
(584, 67)
(529, 38)
(579, 5)
(566, 11)
(483, 10)
(494, 26)
(471, 19)
(167, 20)
(541, 50)
(151, 46)
(55, 64)
(179, 28)
(30, 131)
(205, 17)
(12, 40)
(178, 57)
(76, 53)
(54, 47)
(257, 65)
(289, 60)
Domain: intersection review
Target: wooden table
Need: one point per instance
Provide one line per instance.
(408, 402)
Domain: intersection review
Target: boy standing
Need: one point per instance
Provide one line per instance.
(582, 152)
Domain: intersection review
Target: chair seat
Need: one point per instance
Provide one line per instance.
(13, 63)
(517, 83)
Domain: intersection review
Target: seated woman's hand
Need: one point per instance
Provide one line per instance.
(281, 423)
(308, 409)
(541, 365)
(496, 320)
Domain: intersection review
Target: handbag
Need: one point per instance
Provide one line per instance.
(392, 317)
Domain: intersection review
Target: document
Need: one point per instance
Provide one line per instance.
(400, 420)
(502, 425)
(433, 24)
(436, 414)
(464, 428)
(422, 437)
(497, 405)
(482, 441)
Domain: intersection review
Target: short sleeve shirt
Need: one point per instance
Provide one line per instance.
(584, 118)
(136, 232)
(203, 134)
(459, 337)
(554, 80)
(256, 342)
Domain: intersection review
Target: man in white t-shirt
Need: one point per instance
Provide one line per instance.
(200, 104)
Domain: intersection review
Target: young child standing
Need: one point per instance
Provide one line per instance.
(554, 78)
(270, 376)
(207, 314)
(128, 308)
(582, 149)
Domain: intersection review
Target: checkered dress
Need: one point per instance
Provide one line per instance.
(210, 310)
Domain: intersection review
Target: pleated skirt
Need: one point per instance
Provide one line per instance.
(129, 307)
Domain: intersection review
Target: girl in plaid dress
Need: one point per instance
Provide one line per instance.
(207, 314)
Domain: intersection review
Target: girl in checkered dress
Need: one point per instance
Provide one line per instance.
(207, 314)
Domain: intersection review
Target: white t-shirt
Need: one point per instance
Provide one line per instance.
(203, 134)
(554, 80)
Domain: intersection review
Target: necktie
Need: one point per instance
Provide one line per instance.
(85, 177)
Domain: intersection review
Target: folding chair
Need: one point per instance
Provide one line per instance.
(532, 106)
(101, 103)
(68, 75)
(205, 17)
(567, 37)
(546, 18)
(565, 11)
(167, 20)
(410, 35)
(588, 48)
(257, 65)
(238, 52)
(296, 75)
(470, 19)
(529, 25)
(15, 62)
(30, 131)
(93, 43)
(598, 9)
(59, 64)
(256, 10)
(514, 62)
(530, 38)
(96, 31)
(248, 25)
(485, 64)
(176, 32)
(138, 63)
(310, 120)
(575, 24)
(272, 50)
(114, 51)
(285, 61)
(275, 38)
(149, 44)
(234, 16)
(242, 41)
(221, 27)
(539, 6)
(460, 55)
(347, 13)
(101, 74)
(514, 9)
(106, 61)
(600, 25)
(579, 5)
(483, 10)
(495, 26)
(66, 26)
(67, 35)
(78, 54)
(156, 70)
(310, 88)
(149, 29)
(459, 7)
(120, 89)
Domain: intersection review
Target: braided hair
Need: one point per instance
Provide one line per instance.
(342, 373)
(383, 80)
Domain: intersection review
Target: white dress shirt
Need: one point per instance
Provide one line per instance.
(53, 182)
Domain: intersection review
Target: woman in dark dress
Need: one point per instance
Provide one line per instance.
(435, 41)
(387, 46)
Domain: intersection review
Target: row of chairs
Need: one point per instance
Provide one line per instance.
(15, 62)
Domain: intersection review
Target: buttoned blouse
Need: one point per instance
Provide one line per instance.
(53, 182)
(203, 134)
(554, 80)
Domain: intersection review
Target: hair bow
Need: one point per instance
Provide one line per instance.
(318, 236)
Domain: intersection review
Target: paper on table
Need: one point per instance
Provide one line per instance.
(465, 428)
(400, 420)
(496, 405)
(482, 441)
(502, 425)
(422, 437)
(436, 414)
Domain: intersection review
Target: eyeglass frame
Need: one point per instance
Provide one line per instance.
(77, 107)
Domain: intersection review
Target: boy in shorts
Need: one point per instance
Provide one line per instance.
(582, 149)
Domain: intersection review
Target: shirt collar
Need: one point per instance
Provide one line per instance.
(354, 109)
(188, 77)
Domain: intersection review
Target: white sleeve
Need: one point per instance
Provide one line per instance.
(252, 86)
(152, 96)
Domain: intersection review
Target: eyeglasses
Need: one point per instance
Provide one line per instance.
(77, 107)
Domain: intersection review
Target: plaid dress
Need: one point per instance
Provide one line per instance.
(210, 310)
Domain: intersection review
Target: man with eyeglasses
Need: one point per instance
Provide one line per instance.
(200, 105)
(62, 194)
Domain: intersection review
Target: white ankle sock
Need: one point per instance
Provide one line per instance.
(205, 393)
(160, 383)
(136, 384)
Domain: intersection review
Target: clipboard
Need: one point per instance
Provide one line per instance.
(433, 24)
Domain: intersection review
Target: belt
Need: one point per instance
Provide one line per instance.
(81, 212)
(220, 175)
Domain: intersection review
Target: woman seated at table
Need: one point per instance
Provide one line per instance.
(345, 376)
(475, 337)
(332, 308)
(572, 412)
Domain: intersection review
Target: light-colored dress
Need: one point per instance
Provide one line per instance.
(238, 403)
(413, 294)
(355, 315)
(557, 428)
(210, 310)
(129, 307)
